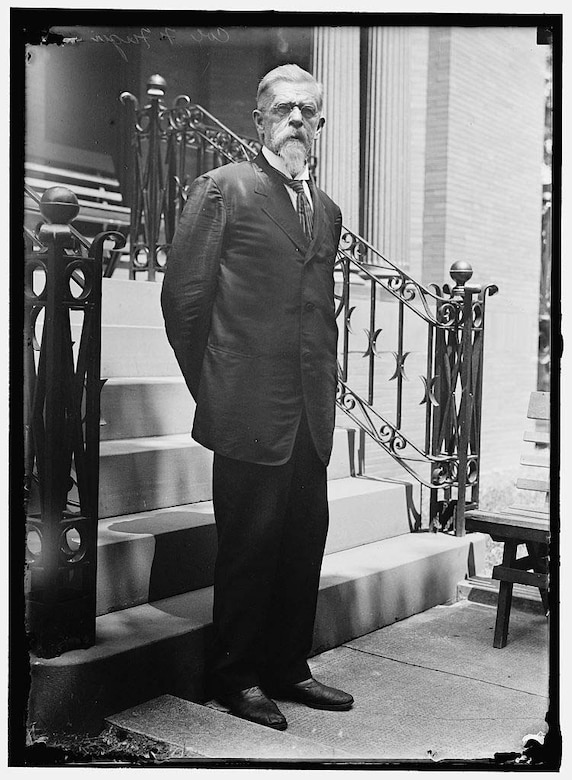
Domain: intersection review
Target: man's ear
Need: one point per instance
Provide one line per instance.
(257, 118)
(321, 123)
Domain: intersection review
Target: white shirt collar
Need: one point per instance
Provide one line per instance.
(277, 162)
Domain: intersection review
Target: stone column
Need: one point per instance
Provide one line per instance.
(336, 64)
(386, 166)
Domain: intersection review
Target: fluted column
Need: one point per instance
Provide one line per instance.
(386, 170)
(337, 66)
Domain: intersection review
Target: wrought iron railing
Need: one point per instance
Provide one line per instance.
(441, 449)
(436, 439)
(171, 147)
(61, 416)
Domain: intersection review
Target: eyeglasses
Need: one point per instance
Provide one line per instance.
(285, 109)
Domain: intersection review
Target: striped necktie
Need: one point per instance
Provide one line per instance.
(303, 207)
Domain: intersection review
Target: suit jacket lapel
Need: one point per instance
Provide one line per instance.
(277, 204)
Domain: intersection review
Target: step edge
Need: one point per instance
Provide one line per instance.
(144, 380)
(180, 440)
(207, 509)
(180, 626)
(183, 439)
(247, 729)
(485, 590)
(419, 549)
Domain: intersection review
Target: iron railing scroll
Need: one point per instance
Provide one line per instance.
(172, 145)
(62, 391)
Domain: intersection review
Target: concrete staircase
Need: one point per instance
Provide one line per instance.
(157, 541)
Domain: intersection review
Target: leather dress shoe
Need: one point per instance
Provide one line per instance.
(253, 704)
(314, 694)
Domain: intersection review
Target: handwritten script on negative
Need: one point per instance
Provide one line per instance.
(145, 37)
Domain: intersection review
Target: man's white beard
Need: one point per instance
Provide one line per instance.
(293, 152)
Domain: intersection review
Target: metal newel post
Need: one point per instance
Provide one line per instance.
(461, 272)
(149, 192)
(61, 541)
(156, 87)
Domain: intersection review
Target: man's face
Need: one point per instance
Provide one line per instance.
(289, 120)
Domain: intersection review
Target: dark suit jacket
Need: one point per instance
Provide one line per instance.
(249, 311)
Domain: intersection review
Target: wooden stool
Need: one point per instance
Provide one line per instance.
(519, 525)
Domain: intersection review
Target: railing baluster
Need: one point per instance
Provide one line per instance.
(400, 358)
(430, 379)
(371, 345)
(346, 319)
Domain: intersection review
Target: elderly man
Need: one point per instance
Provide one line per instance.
(249, 311)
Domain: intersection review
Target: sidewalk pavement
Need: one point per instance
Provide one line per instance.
(433, 687)
(427, 689)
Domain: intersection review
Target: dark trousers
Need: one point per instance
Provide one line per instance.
(271, 523)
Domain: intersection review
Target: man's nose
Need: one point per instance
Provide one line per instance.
(296, 116)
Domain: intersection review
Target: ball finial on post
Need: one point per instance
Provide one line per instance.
(461, 272)
(59, 205)
(156, 86)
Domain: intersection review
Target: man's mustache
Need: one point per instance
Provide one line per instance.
(296, 135)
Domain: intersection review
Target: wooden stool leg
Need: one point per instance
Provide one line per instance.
(503, 615)
(539, 556)
(505, 598)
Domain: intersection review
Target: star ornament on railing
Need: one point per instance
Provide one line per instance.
(400, 366)
(429, 391)
(372, 337)
(348, 318)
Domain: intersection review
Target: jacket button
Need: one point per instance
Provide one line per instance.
(309, 306)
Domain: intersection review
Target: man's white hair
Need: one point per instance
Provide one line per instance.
(292, 73)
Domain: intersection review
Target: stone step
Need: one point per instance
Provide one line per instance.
(148, 556)
(159, 648)
(153, 472)
(134, 407)
(484, 590)
(139, 406)
(135, 350)
(133, 339)
(199, 731)
(125, 302)
(131, 350)
(383, 582)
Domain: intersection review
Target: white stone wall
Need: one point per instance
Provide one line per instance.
(474, 183)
